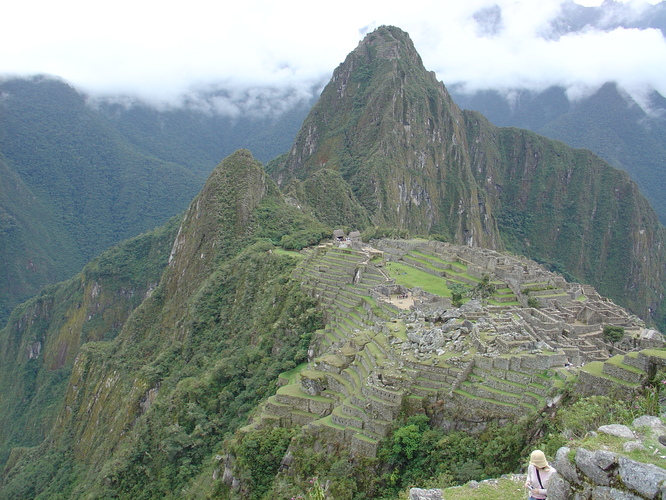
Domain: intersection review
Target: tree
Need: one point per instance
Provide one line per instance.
(613, 334)
(533, 302)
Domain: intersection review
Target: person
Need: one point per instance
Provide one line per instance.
(539, 474)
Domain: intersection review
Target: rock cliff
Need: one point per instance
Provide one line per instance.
(415, 161)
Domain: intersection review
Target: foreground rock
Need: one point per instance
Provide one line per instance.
(605, 475)
(419, 494)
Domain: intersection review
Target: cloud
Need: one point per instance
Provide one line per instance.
(169, 54)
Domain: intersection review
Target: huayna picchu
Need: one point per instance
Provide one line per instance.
(365, 309)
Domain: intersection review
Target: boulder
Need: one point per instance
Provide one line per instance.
(564, 467)
(644, 479)
(559, 488)
(606, 493)
(630, 446)
(419, 494)
(589, 464)
(648, 421)
(618, 430)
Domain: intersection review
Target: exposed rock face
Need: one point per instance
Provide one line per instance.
(420, 494)
(603, 474)
(216, 218)
(45, 334)
(415, 161)
(398, 139)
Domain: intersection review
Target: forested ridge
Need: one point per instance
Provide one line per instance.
(148, 374)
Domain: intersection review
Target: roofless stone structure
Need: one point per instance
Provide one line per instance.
(502, 354)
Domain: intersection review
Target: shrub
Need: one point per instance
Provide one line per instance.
(590, 413)
(613, 334)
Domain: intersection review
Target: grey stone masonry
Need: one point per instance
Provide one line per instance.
(605, 475)
(419, 494)
(388, 348)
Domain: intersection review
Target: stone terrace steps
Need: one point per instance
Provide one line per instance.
(623, 373)
(488, 405)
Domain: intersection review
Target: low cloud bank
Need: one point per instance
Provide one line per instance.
(268, 56)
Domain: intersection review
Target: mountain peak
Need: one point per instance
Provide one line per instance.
(381, 122)
(218, 217)
(389, 42)
(416, 162)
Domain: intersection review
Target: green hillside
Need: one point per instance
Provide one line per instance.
(416, 162)
(238, 352)
(78, 177)
(210, 339)
(82, 186)
(609, 122)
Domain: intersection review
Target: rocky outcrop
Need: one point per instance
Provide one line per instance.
(420, 494)
(601, 474)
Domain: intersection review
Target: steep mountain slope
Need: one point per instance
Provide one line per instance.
(44, 335)
(79, 176)
(415, 161)
(397, 138)
(150, 411)
(28, 246)
(191, 361)
(609, 122)
(83, 187)
(199, 138)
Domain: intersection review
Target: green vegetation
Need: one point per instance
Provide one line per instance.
(144, 370)
(533, 302)
(410, 277)
(506, 488)
(92, 306)
(417, 454)
(96, 175)
(89, 188)
(260, 453)
(242, 323)
(613, 334)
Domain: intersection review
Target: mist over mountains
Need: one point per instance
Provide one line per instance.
(187, 135)
(628, 135)
(78, 178)
(136, 377)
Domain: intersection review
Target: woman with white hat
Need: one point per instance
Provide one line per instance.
(539, 474)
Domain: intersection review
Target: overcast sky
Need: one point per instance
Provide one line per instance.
(161, 50)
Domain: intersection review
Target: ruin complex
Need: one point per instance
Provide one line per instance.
(519, 335)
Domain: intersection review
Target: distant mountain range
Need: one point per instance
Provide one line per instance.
(77, 178)
(609, 122)
(412, 160)
(136, 377)
(98, 171)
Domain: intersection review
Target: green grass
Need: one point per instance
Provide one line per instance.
(506, 488)
(498, 303)
(617, 361)
(291, 374)
(596, 368)
(290, 253)
(410, 277)
(462, 392)
(655, 352)
(615, 444)
(295, 390)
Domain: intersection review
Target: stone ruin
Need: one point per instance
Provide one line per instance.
(492, 358)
